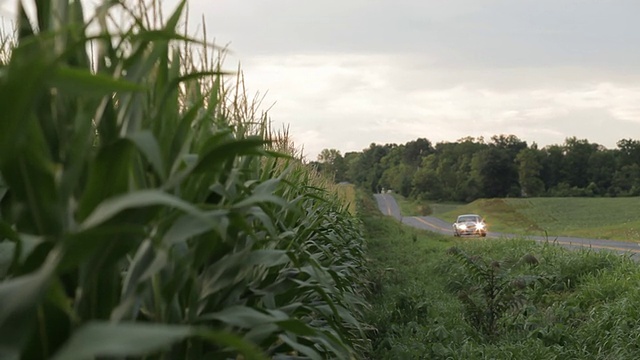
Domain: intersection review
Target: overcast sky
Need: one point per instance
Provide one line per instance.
(344, 74)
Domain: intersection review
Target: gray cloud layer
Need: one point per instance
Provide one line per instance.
(347, 73)
(465, 33)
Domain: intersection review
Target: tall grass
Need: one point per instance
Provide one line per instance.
(148, 210)
(438, 297)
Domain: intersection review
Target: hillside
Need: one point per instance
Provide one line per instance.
(605, 218)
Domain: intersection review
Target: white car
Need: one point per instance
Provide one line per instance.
(470, 224)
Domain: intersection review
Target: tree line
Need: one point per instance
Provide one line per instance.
(505, 166)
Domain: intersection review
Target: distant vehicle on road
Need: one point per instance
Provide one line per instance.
(470, 224)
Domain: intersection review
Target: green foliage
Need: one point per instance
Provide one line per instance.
(409, 305)
(492, 290)
(506, 166)
(492, 171)
(529, 167)
(365, 169)
(555, 303)
(331, 164)
(147, 210)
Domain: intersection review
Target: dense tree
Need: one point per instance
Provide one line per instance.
(508, 146)
(398, 178)
(626, 181)
(629, 152)
(602, 167)
(492, 170)
(367, 169)
(509, 143)
(396, 173)
(426, 181)
(529, 167)
(505, 166)
(328, 155)
(415, 151)
(576, 161)
(354, 173)
(552, 164)
(332, 164)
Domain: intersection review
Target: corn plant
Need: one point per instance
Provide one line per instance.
(148, 211)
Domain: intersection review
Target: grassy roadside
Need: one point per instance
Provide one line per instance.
(407, 302)
(429, 298)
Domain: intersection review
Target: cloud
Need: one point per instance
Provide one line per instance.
(346, 74)
(464, 34)
(348, 101)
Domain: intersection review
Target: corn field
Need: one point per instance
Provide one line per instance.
(148, 210)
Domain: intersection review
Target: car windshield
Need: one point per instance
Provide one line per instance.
(468, 219)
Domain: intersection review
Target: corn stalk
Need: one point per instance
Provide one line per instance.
(148, 211)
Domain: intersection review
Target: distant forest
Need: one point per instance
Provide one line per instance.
(473, 168)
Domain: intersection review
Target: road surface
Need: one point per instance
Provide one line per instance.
(388, 205)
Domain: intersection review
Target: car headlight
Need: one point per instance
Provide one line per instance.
(480, 226)
(463, 227)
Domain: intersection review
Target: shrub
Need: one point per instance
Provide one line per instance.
(493, 290)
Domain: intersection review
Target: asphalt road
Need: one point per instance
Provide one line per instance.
(388, 205)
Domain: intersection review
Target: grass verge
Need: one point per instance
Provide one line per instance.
(435, 297)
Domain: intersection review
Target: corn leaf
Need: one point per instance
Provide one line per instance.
(143, 198)
(148, 145)
(20, 297)
(82, 81)
(98, 339)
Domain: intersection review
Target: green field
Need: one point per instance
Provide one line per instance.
(602, 218)
(439, 297)
(409, 207)
(599, 218)
(438, 209)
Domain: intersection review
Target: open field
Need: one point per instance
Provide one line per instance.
(411, 207)
(431, 297)
(438, 209)
(599, 218)
(602, 218)
(416, 207)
